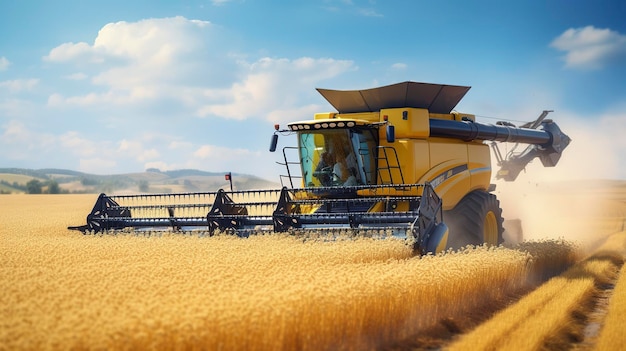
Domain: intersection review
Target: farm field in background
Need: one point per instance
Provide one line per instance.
(66, 290)
(16, 181)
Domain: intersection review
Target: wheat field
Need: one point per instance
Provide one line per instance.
(546, 318)
(612, 336)
(65, 290)
(569, 310)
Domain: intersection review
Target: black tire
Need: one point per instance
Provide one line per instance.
(476, 220)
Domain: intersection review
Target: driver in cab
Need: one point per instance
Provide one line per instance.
(337, 168)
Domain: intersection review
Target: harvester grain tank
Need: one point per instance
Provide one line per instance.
(395, 159)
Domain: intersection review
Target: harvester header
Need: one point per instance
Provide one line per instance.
(394, 159)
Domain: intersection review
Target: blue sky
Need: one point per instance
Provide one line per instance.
(121, 86)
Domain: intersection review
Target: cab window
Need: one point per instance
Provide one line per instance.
(335, 157)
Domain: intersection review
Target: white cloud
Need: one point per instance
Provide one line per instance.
(219, 159)
(14, 130)
(16, 108)
(97, 165)
(399, 66)
(109, 97)
(177, 145)
(257, 162)
(129, 146)
(176, 61)
(369, 12)
(76, 76)
(24, 142)
(154, 75)
(73, 51)
(218, 152)
(150, 42)
(149, 46)
(148, 154)
(55, 100)
(136, 149)
(271, 85)
(19, 85)
(590, 47)
(4, 63)
(284, 116)
(78, 145)
(140, 60)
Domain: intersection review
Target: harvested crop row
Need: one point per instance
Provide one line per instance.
(612, 336)
(547, 317)
(66, 290)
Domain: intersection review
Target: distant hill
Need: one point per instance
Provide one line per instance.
(51, 180)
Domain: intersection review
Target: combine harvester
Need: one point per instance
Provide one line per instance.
(394, 159)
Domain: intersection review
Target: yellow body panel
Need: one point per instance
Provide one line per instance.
(409, 122)
(454, 167)
(479, 160)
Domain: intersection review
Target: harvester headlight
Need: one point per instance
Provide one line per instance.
(322, 125)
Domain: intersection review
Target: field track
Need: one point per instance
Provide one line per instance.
(582, 308)
(555, 315)
(65, 290)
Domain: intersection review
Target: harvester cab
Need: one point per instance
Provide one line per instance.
(394, 160)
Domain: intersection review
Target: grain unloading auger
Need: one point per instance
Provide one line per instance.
(394, 159)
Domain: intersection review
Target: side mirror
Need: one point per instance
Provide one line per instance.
(274, 143)
(391, 133)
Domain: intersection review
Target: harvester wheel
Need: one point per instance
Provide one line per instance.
(476, 220)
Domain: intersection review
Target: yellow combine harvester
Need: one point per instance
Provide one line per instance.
(394, 159)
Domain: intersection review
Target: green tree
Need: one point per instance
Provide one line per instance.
(53, 187)
(88, 181)
(144, 186)
(33, 186)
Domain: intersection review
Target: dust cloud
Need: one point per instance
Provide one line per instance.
(583, 198)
